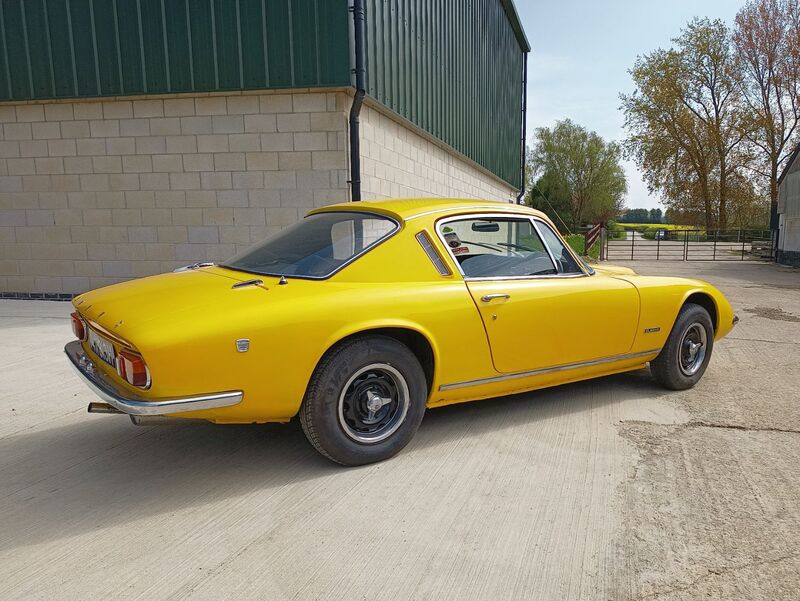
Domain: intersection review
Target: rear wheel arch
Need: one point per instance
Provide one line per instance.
(418, 343)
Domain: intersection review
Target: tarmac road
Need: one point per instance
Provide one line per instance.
(611, 489)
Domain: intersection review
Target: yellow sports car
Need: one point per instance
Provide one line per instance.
(363, 315)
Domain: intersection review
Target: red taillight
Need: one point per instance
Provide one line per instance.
(133, 369)
(78, 327)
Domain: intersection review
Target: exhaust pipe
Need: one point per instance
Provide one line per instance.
(138, 420)
(103, 408)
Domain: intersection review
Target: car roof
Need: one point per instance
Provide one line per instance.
(411, 208)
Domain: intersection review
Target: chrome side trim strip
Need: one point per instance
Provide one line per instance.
(547, 370)
(117, 397)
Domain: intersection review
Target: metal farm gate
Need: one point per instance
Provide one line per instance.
(693, 245)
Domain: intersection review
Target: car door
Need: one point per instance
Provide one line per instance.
(539, 306)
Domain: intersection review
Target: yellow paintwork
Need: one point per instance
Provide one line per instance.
(185, 324)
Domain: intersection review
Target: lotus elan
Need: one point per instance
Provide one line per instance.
(363, 315)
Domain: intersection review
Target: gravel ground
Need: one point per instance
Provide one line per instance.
(611, 489)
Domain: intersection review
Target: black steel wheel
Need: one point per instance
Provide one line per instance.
(685, 356)
(373, 403)
(365, 401)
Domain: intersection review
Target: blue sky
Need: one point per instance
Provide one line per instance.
(582, 50)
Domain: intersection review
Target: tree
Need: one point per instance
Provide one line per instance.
(767, 43)
(546, 195)
(669, 146)
(682, 217)
(636, 216)
(641, 216)
(686, 131)
(584, 168)
(655, 215)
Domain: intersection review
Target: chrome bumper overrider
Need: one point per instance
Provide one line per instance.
(121, 399)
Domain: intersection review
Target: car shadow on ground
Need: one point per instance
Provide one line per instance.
(77, 478)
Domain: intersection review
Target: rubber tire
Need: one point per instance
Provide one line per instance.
(665, 367)
(319, 411)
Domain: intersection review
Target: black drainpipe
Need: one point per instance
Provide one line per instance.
(358, 99)
(520, 196)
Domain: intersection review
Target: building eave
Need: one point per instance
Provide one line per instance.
(516, 24)
(792, 161)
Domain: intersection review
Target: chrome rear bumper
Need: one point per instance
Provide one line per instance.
(119, 398)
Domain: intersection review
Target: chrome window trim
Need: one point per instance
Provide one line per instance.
(398, 227)
(472, 216)
(546, 246)
(581, 263)
(547, 370)
(466, 209)
(511, 278)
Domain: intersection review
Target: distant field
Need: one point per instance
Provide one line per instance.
(658, 226)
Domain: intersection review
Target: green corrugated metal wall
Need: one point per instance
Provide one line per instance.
(454, 68)
(74, 48)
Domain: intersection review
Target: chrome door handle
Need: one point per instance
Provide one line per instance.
(490, 297)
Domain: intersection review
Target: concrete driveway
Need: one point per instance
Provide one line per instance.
(611, 489)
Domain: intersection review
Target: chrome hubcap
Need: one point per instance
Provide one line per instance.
(373, 403)
(693, 349)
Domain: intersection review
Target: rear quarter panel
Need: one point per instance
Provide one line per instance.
(393, 286)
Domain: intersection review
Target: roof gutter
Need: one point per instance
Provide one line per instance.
(521, 195)
(358, 100)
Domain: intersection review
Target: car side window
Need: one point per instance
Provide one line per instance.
(564, 259)
(487, 247)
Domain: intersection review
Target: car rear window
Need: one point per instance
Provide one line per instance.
(317, 246)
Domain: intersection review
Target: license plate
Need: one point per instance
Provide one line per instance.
(102, 348)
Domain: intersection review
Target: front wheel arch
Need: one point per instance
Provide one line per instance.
(707, 302)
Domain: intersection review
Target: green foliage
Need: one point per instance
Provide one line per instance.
(578, 243)
(582, 172)
(548, 196)
(615, 231)
(642, 216)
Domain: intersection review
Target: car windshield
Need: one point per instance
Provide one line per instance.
(315, 247)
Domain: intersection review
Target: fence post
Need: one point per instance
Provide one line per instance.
(685, 245)
(716, 237)
(743, 239)
(658, 247)
(633, 239)
(603, 243)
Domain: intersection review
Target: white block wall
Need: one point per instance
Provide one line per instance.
(96, 192)
(400, 161)
(92, 193)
